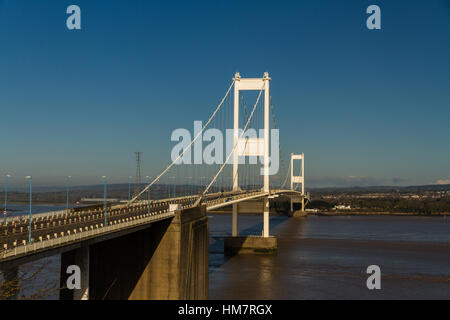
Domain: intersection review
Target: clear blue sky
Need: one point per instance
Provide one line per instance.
(366, 107)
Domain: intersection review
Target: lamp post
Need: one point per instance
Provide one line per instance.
(148, 195)
(190, 188)
(129, 188)
(5, 209)
(104, 196)
(174, 187)
(67, 193)
(201, 183)
(30, 213)
(168, 187)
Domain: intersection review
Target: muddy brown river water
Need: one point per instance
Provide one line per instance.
(327, 257)
(319, 258)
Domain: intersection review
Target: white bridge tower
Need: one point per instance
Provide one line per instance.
(299, 178)
(251, 147)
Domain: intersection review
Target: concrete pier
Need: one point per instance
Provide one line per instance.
(250, 244)
(299, 214)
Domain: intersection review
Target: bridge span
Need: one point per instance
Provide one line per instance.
(78, 236)
(158, 249)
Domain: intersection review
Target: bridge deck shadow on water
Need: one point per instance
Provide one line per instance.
(217, 254)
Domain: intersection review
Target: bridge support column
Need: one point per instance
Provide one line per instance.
(264, 244)
(166, 260)
(235, 227)
(266, 217)
(298, 179)
(78, 257)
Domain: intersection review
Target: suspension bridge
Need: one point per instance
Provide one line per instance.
(163, 229)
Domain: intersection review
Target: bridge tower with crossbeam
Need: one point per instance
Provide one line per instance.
(247, 147)
(298, 179)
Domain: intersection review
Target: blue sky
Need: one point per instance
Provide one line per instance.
(366, 107)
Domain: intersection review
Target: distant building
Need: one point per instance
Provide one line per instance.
(342, 207)
(98, 200)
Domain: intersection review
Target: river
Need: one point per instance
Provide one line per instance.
(327, 257)
(318, 258)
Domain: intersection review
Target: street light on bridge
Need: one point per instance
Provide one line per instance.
(104, 196)
(67, 193)
(174, 187)
(30, 213)
(201, 184)
(148, 194)
(5, 212)
(129, 187)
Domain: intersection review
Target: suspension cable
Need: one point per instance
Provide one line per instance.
(186, 149)
(236, 143)
(279, 146)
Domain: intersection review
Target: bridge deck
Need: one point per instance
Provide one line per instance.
(57, 230)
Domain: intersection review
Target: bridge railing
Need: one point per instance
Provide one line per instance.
(46, 244)
(35, 215)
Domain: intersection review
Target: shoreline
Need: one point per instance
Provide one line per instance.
(323, 213)
(376, 213)
(346, 213)
(38, 203)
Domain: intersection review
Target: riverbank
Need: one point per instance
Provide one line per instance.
(343, 213)
(43, 203)
(376, 213)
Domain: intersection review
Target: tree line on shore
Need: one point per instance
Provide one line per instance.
(425, 206)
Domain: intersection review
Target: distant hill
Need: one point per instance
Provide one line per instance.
(375, 189)
(124, 186)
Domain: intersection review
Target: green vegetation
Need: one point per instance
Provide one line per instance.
(387, 204)
(423, 200)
